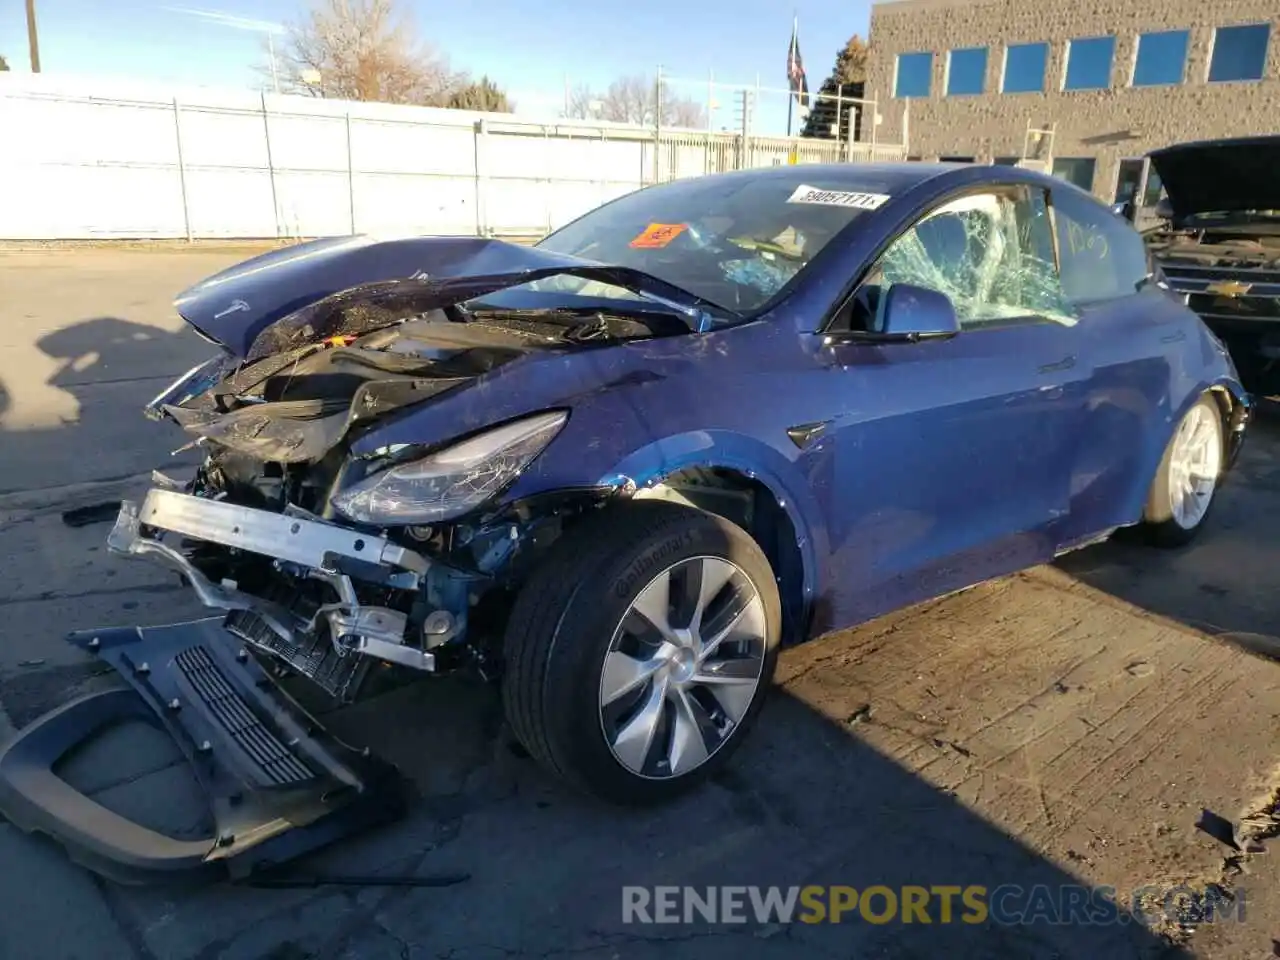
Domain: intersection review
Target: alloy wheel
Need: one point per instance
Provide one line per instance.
(1195, 462)
(683, 667)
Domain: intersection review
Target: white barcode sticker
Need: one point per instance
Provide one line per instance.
(837, 198)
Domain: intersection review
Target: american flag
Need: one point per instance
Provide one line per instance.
(795, 67)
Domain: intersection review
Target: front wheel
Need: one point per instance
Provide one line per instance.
(639, 654)
(1186, 481)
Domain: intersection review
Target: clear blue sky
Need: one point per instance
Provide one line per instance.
(527, 46)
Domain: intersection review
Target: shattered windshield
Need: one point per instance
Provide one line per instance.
(733, 241)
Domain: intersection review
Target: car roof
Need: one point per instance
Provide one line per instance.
(897, 177)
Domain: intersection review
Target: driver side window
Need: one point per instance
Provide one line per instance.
(990, 253)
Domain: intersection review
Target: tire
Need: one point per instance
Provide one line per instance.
(567, 624)
(1165, 521)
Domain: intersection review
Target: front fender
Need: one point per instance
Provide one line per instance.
(750, 457)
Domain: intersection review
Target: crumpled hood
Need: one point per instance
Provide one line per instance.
(235, 306)
(1220, 175)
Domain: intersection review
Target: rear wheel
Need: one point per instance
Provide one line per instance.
(640, 653)
(1186, 481)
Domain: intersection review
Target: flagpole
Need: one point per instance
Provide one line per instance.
(791, 96)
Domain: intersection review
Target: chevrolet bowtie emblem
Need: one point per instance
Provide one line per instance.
(1229, 288)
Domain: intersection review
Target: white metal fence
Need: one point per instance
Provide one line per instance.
(81, 159)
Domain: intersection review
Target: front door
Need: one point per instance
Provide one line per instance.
(953, 458)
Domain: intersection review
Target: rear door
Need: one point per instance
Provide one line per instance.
(953, 457)
(1132, 333)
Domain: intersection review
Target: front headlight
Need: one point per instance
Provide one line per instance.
(452, 481)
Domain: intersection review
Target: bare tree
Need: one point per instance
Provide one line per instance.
(364, 50)
(632, 100)
(582, 103)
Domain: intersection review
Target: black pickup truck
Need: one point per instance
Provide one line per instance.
(1217, 242)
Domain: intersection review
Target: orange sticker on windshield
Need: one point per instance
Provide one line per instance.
(657, 235)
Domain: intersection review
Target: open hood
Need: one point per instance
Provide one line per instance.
(1220, 175)
(235, 306)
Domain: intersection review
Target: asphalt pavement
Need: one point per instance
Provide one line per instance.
(1062, 727)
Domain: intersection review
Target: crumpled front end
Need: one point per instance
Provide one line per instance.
(360, 586)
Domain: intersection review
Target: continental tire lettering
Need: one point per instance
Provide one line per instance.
(647, 566)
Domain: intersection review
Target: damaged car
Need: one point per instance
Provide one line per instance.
(615, 471)
(1218, 242)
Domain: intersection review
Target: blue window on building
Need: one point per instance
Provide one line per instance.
(967, 72)
(1024, 65)
(1089, 63)
(1162, 58)
(1239, 53)
(914, 73)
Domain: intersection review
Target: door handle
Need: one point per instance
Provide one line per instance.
(1066, 363)
(1174, 337)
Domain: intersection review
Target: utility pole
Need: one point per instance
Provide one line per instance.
(745, 115)
(32, 40)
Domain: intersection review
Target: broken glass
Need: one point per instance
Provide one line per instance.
(991, 254)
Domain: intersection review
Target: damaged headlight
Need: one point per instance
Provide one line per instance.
(191, 384)
(452, 481)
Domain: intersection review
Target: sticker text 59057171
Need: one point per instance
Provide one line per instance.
(837, 198)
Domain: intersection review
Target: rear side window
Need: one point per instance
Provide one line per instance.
(1101, 256)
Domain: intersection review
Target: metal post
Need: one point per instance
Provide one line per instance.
(755, 101)
(182, 170)
(271, 167)
(549, 170)
(478, 132)
(840, 137)
(604, 153)
(711, 109)
(33, 41)
(271, 51)
(351, 178)
(657, 125)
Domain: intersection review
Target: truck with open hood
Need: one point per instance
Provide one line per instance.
(1218, 242)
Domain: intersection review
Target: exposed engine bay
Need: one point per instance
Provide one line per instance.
(1235, 249)
(276, 525)
(1230, 275)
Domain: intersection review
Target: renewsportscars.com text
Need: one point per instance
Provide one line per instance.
(1009, 904)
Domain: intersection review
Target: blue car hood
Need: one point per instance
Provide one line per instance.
(297, 283)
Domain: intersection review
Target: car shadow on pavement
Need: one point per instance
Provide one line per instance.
(108, 368)
(807, 802)
(1225, 583)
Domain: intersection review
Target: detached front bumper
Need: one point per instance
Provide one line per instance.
(315, 548)
(276, 783)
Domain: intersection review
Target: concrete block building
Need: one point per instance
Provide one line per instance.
(1085, 88)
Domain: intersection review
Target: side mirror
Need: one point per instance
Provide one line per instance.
(1164, 209)
(914, 313)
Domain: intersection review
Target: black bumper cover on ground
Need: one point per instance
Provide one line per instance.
(278, 785)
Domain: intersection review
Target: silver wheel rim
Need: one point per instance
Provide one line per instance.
(1194, 464)
(683, 668)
